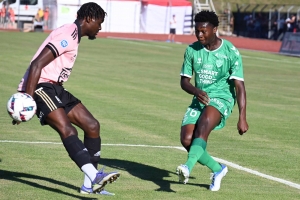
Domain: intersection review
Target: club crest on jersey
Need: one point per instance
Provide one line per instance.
(64, 43)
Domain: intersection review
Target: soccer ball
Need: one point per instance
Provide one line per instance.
(21, 107)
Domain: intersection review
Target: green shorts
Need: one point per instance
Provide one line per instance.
(194, 111)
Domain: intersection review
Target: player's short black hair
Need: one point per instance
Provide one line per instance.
(207, 16)
(91, 10)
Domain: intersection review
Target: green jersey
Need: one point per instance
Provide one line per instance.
(215, 70)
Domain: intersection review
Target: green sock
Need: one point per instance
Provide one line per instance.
(208, 161)
(195, 152)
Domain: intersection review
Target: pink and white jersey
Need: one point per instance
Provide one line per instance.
(63, 42)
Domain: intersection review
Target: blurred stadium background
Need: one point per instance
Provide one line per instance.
(249, 18)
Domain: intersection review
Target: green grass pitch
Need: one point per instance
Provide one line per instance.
(132, 88)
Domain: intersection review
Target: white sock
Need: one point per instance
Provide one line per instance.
(87, 182)
(90, 171)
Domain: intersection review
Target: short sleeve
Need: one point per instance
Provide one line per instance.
(62, 41)
(236, 67)
(187, 66)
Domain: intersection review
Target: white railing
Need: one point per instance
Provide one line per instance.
(198, 6)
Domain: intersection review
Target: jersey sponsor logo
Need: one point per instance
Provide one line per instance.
(204, 71)
(64, 43)
(207, 76)
(64, 75)
(208, 66)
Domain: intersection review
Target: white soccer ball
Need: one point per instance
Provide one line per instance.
(21, 107)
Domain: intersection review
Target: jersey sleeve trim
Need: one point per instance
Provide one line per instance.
(53, 49)
(236, 78)
(186, 75)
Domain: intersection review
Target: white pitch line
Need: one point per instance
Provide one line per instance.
(238, 167)
(291, 184)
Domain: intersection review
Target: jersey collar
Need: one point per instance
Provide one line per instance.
(215, 49)
(79, 30)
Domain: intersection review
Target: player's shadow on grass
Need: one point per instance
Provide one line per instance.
(146, 172)
(19, 177)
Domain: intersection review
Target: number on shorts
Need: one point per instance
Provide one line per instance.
(193, 112)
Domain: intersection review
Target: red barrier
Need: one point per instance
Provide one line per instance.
(239, 42)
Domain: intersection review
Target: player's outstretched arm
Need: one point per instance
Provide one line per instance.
(242, 125)
(189, 88)
(36, 66)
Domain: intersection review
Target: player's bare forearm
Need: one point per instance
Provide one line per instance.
(189, 88)
(36, 66)
(242, 125)
(33, 77)
(241, 99)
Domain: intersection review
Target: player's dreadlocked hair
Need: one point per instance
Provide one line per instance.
(207, 16)
(91, 10)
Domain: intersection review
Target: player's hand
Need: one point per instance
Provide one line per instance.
(202, 96)
(14, 122)
(242, 126)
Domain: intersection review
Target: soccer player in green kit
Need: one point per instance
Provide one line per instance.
(219, 83)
